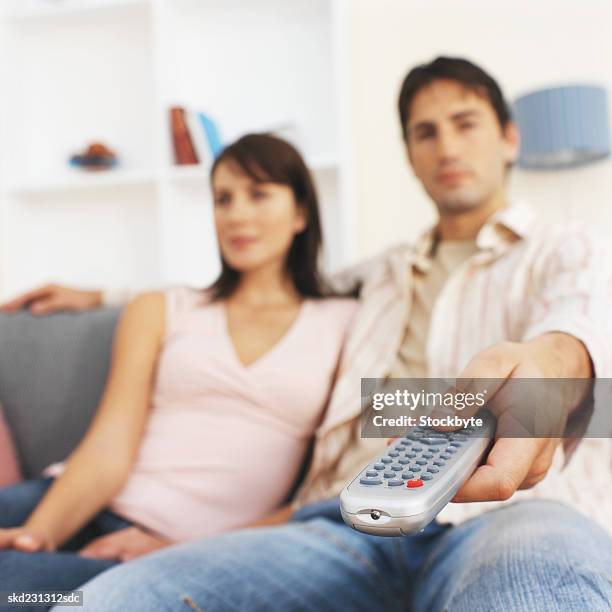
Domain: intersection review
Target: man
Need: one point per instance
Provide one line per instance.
(490, 292)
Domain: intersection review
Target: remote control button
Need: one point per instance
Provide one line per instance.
(370, 481)
(415, 468)
(459, 437)
(396, 482)
(405, 442)
(379, 466)
(411, 455)
(421, 461)
(432, 469)
(389, 474)
(397, 468)
(413, 484)
(417, 448)
(372, 473)
(393, 453)
(387, 460)
(439, 462)
(433, 441)
(426, 476)
(407, 475)
(456, 444)
(427, 455)
(404, 460)
(451, 449)
(445, 455)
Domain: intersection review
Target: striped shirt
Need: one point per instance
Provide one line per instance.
(527, 277)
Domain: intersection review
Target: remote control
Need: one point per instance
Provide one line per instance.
(402, 491)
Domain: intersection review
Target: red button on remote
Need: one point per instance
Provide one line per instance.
(411, 484)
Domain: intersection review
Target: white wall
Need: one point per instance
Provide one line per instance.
(524, 44)
(52, 69)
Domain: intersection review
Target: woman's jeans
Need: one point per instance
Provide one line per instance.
(533, 555)
(62, 570)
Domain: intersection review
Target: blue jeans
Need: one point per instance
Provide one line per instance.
(535, 555)
(61, 570)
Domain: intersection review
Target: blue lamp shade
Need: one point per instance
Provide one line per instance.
(563, 127)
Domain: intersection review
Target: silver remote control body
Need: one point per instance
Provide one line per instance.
(402, 491)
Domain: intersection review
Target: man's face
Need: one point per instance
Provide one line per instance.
(457, 147)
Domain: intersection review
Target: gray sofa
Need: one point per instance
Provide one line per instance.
(52, 374)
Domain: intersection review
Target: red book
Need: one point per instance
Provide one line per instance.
(184, 151)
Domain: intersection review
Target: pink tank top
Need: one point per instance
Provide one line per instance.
(224, 442)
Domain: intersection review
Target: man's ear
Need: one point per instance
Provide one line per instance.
(512, 138)
(408, 154)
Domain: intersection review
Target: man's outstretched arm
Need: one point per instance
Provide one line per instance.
(53, 297)
(568, 336)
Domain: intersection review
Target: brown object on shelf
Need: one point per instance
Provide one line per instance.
(97, 156)
(96, 149)
(184, 151)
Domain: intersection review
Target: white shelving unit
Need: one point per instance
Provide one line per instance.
(79, 181)
(77, 71)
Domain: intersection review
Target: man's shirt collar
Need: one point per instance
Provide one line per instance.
(502, 229)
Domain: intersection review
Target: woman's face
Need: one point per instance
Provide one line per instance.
(255, 222)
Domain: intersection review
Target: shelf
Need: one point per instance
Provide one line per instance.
(83, 180)
(70, 8)
(76, 181)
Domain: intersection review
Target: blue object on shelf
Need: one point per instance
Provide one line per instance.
(212, 134)
(563, 127)
(93, 163)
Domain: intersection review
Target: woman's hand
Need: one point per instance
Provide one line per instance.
(124, 545)
(25, 539)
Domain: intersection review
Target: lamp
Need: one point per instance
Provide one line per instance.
(563, 127)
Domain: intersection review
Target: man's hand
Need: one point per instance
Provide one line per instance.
(520, 463)
(51, 298)
(512, 464)
(25, 539)
(124, 545)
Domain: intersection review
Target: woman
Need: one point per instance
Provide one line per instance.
(212, 395)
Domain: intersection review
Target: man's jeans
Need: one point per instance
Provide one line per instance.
(52, 571)
(534, 555)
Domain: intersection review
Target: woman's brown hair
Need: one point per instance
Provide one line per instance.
(266, 158)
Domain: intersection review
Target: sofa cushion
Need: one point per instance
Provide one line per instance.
(52, 374)
(9, 466)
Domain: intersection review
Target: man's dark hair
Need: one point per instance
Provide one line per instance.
(456, 69)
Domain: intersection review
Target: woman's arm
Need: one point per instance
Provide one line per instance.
(98, 468)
